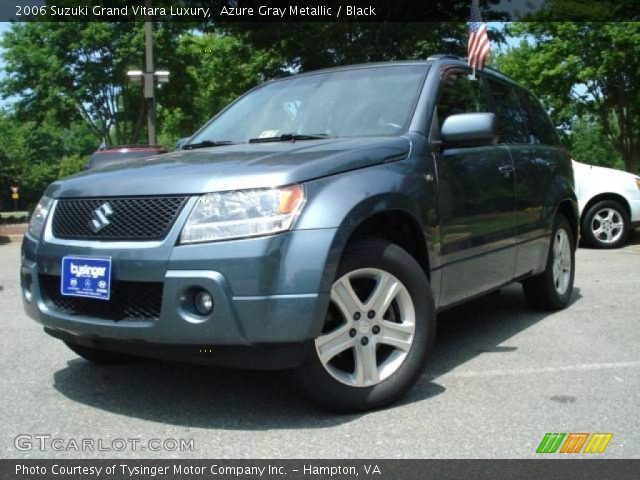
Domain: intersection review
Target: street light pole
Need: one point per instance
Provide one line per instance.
(149, 89)
(149, 77)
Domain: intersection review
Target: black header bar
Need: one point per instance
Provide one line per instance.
(129, 469)
(217, 11)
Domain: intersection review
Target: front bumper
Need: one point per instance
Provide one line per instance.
(634, 204)
(268, 290)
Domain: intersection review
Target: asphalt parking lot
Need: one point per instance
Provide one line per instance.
(501, 376)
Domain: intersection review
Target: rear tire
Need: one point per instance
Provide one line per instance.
(101, 357)
(552, 289)
(606, 225)
(380, 354)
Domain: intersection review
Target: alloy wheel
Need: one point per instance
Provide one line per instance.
(561, 261)
(607, 225)
(369, 330)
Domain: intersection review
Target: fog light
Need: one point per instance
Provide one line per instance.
(27, 286)
(203, 302)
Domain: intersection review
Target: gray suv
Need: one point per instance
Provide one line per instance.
(320, 222)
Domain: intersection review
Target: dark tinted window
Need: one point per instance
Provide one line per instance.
(540, 128)
(459, 94)
(511, 117)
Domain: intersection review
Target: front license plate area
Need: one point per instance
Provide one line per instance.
(87, 277)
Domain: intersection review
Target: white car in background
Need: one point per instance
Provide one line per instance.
(609, 203)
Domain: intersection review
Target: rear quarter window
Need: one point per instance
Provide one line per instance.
(541, 130)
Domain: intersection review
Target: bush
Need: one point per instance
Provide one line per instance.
(72, 164)
(7, 218)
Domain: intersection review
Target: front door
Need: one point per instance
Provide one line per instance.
(476, 202)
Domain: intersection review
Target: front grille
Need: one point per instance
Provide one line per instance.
(135, 301)
(141, 218)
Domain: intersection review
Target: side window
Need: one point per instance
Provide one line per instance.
(540, 128)
(511, 117)
(459, 94)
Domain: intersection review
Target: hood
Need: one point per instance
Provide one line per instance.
(601, 175)
(233, 167)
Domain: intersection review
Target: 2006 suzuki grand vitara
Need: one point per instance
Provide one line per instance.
(318, 222)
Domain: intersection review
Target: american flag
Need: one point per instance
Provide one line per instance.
(479, 47)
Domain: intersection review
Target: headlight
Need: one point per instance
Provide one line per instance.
(638, 183)
(39, 216)
(243, 213)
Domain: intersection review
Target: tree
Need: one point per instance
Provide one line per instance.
(72, 71)
(217, 68)
(589, 144)
(584, 70)
(71, 91)
(313, 45)
(33, 154)
(77, 71)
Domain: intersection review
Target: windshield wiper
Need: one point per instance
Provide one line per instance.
(207, 143)
(290, 137)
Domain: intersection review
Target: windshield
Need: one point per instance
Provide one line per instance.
(343, 103)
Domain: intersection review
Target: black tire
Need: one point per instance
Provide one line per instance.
(588, 220)
(540, 291)
(328, 392)
(101, 357)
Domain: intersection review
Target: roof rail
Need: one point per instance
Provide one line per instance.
(439, 56)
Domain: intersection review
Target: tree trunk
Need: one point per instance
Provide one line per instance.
(632, 161)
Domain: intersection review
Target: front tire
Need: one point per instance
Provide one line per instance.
(552, 289)
(378, 330)
(101, 357)
(606, 225)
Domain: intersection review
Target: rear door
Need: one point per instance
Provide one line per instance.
(534, 182)
(536, 151)
(531, 170)
(476, 200)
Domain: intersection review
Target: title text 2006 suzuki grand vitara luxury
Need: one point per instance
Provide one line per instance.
(319, 222)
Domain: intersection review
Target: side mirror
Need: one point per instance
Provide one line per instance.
(469, 130)
(181, 142)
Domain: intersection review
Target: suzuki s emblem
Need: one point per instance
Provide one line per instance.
(100, 217)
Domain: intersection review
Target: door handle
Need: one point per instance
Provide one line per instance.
(506, 170)
(550, 165)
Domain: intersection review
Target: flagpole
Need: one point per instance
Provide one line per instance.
(478, 44)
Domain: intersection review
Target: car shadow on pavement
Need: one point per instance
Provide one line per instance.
(209, 397)
(482, 326)
(193, 395)
(634, 237)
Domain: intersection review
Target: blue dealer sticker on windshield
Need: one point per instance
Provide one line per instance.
(86, 277)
